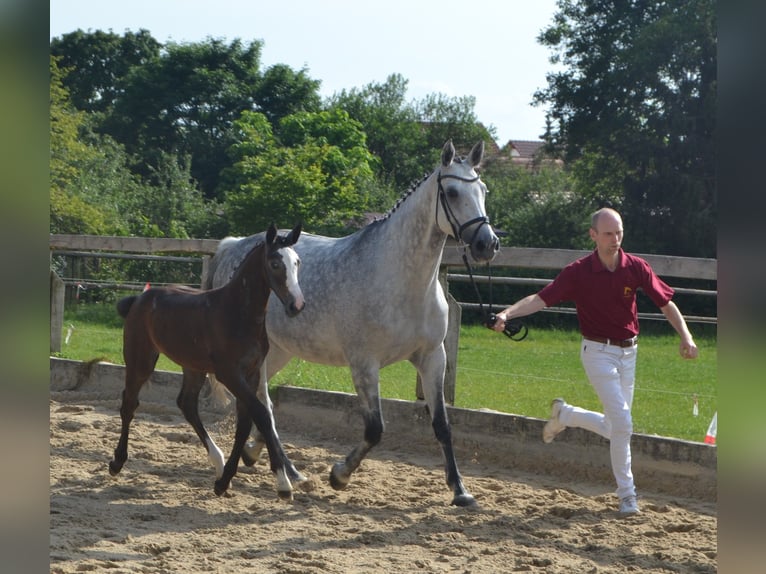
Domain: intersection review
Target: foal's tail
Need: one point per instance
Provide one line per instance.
(124, 305)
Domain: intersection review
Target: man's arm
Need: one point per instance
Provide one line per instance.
(523, 307)
(688, 348)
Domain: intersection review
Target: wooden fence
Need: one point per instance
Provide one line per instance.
(452, 270)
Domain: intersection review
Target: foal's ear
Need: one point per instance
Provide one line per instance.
(271, 234)
(448, 153)
(293, 236)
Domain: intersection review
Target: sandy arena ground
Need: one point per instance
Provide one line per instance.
(160, 514)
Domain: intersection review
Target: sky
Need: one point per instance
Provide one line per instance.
(488, 51)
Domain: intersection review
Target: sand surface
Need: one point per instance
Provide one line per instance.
(160, 513)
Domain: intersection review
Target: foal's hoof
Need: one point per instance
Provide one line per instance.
(220, 487)
(114, 468)
(296, 477)
(286, 495)
(337, 480)
(465, 500)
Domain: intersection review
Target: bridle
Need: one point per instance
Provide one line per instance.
(513, 327)
(457, 228)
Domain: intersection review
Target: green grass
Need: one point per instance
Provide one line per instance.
(494, 372)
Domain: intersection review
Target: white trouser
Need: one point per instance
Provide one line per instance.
(612, 372)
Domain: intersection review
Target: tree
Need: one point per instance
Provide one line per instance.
(408, 136)
(315, 178)
(98, 62)
(184, 103)
(69, 212)
(283, 91)
(637, 93)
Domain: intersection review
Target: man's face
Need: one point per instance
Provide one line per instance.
(608, 235)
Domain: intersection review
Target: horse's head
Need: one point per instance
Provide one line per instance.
(282, 267)
(460, 211)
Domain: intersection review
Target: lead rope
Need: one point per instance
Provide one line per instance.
(513, 326)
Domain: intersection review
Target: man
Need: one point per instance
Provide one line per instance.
(603, 287)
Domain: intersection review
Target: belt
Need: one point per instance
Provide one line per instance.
(616, 342)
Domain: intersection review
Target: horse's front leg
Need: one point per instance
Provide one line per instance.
(252, 449)
(366, 379)
(188, 402)
(244, 425)
(431, 367)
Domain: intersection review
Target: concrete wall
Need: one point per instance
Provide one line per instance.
(512, 442)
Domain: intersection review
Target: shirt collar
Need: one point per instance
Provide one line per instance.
(597, 266)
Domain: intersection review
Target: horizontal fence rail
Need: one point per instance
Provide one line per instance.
(452, 271)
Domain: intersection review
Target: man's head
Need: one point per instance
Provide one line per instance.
(606, 230)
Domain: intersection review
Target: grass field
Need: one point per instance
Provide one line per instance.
(494, 372)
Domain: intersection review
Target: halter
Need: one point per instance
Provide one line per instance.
(512, 327)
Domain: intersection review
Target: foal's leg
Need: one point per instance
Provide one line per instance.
(139, 365)
(188, 402)
(249, 409)
(431, 369)
(244, 425)
(275, 359)
(366, 381)
(262, 392)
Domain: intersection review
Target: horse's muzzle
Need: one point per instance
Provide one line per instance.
(292, 308)
(485, 244)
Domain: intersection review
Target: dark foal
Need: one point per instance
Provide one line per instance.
(222, 331)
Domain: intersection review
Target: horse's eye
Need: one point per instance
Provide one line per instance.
(275, 265)
(452, 192)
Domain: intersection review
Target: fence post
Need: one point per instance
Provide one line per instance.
(57, 311)
(205, 270)
(451, 342)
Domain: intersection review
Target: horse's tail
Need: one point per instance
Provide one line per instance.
(124, 305)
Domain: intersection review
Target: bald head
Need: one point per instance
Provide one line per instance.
(605, 215)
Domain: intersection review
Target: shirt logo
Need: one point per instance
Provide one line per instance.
(627, 292)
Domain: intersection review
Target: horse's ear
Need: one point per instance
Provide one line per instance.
(271, 234)
(477, 153)
(448, 153)
(293, 236)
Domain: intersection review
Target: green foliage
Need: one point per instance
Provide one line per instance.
(408, 137)
(99, 62)
(536, 207)
(314, 178)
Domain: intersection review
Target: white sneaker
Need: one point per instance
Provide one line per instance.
(553, 426)
(628, 506)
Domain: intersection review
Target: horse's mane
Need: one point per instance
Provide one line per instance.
(413, 186)
(216, 260)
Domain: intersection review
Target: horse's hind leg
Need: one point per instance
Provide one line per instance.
(431, 368)
(366, 383)
(188, 402)
(136, 374)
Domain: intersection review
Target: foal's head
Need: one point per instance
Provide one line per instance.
(282, 264)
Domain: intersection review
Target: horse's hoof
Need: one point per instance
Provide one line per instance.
(220, 488)
(296, 477)
(336, 480)
(248, 460)
(286, 495)
(465, 500)
(114, 468)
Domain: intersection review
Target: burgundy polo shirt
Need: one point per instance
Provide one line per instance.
(606, 300)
